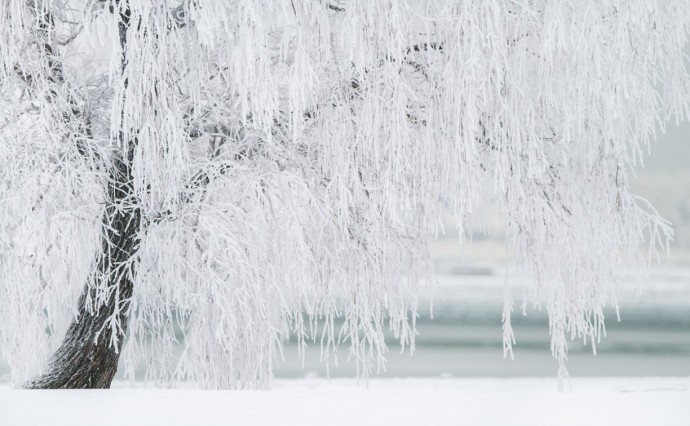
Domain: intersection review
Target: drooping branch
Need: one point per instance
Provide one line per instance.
(71, 113)
(308, 163)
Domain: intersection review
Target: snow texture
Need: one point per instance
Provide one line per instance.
(439, 402)
(290, 160)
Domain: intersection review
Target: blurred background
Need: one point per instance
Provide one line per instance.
(464, 338)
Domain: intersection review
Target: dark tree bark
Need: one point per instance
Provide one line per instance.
(89, 354)
(87, 357)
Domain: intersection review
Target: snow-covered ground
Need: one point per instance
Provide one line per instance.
(305, 402)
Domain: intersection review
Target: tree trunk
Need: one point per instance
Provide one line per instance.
(88, 357)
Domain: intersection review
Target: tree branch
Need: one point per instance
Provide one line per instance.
(58, 82)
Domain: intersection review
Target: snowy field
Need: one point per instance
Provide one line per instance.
(305, 402)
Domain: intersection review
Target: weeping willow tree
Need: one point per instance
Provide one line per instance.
(245, 170)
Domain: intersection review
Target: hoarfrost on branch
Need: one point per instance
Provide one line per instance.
(290, 159)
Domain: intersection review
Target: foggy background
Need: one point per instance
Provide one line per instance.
(464, 338)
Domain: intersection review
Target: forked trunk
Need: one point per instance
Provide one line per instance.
(87, 357)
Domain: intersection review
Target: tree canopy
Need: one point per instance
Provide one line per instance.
(284, 163)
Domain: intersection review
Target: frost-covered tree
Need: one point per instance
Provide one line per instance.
(241, 170)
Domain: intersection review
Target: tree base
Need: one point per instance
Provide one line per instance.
(87, 359)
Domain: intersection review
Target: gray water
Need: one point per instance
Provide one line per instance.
(465, 340)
